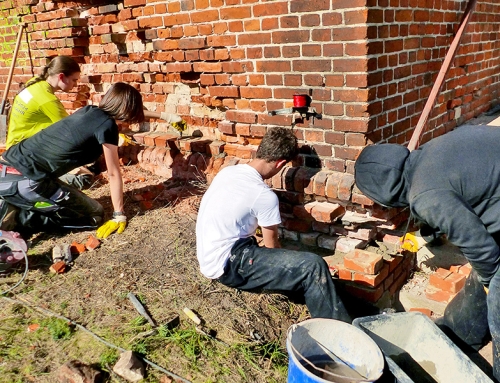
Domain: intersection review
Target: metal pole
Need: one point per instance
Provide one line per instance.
(417, 133)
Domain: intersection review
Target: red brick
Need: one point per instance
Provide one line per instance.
(398, 283)
(438, 295)
(365, 261)
(77, 248)
(165, 140)
(58, 267)
(327, 212)
(243, 117)
(366, 293)
(319, 183)
(364, 234)
(446, 280)
(332, 185)
(303, 212)
(92, 243)
(422, 310)
(344, 274)
(461, 269)
(372, 280)
(302, 181)
(346, 245)
(224, 91)
(393, 261)
(296, 225)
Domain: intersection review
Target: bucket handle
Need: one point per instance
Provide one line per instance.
(321, 369)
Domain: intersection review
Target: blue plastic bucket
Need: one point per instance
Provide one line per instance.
(328, 350)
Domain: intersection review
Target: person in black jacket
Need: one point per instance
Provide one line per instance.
(32, 196)
(452, 186)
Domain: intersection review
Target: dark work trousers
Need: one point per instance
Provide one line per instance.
(472, 318)
(49, 204)
(255, 268)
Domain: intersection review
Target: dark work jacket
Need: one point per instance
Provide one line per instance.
(451, 183)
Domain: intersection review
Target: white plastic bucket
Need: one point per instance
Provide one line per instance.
(328, 350)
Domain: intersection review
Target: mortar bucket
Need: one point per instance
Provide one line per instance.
(328, 350)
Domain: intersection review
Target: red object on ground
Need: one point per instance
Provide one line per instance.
(92, 243)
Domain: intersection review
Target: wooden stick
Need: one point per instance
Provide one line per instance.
(11, 72)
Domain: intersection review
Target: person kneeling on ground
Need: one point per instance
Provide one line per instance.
(31, 195)
(36, 107)
(452, 186)
(235, 204)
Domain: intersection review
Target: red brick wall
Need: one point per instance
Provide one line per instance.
(223, 65)
(408, 41)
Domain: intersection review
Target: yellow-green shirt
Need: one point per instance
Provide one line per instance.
(34, 108)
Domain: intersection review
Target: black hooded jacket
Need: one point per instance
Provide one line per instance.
(451, 183)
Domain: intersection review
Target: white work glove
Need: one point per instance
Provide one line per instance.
(170, 117)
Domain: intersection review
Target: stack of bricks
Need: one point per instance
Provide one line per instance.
(445, 284)
(319, 207)
(370, 276)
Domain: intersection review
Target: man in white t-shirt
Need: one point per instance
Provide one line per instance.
(235, 204)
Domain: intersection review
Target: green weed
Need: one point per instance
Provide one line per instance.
(108, 358)
(58, 328)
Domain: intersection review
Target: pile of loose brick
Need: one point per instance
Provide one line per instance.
(445, 284)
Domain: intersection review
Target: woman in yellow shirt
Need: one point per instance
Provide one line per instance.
(36, 106)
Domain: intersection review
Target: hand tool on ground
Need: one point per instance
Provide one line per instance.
(3, 117)
(141, 310)
(200, 328)
(62, 253)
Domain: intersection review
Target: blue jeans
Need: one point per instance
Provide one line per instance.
(255, 268)
(472, 318)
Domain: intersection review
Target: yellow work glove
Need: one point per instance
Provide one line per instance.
(412, 241)
(124, 140)
(118, 224)
(179, 126)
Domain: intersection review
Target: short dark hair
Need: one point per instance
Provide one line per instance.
(123, 102)
(278, 144)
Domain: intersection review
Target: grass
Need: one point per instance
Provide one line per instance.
(159, 267)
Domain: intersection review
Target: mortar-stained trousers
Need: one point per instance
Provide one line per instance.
(255, 268)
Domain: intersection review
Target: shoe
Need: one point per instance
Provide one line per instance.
(8, 216)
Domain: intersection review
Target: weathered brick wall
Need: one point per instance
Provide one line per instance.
(368, 66)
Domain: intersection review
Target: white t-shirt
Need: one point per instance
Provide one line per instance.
(235, 204)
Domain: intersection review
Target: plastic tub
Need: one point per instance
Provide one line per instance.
(416, 350)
